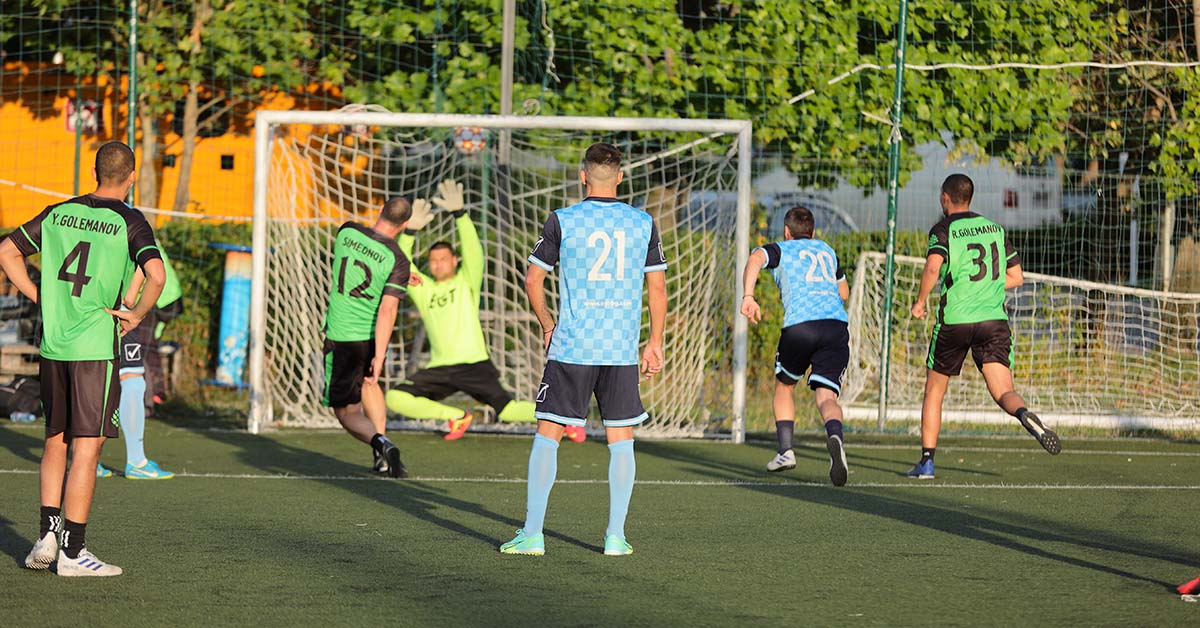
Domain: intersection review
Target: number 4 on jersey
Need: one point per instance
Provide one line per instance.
(78, 278)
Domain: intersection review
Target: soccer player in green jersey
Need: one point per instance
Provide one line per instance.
(966, 254)
(89, 246)
(449, 306)
(370, 274)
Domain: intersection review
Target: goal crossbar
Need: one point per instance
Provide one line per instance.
(266, 121)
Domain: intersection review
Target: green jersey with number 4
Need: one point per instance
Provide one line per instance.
(89, 245)
(366, 266)
(976, 258)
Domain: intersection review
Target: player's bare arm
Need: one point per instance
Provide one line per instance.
(929, 277)
(156, 278)
(385, 321)
(535, 289)
(652, 356)
(844, 290)
(754, 265)
(1013, 277)
(135, 286)
(13, 263)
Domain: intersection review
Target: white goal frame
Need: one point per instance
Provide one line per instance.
(261, 410)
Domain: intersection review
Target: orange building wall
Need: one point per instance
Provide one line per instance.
(37, 150)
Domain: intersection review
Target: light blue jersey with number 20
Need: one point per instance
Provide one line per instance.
(807, 273)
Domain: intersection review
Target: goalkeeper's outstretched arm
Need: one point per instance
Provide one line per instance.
(472, 250)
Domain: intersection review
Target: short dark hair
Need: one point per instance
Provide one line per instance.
(799, 221)
(114, 163)
(442, 244)
(397, 210)
(602, 160)
(959, 188)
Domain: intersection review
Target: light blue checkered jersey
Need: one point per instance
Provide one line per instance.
(603, 248)
(807, 273)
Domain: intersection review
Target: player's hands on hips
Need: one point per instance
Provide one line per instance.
(129, 320)
(751, 310)
(652, 360)
(450, 196)
(918, 309)
(422, 213)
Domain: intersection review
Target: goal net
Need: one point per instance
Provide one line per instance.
(324, 168)
(1085, 353)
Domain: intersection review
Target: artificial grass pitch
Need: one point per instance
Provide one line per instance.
(290, 528)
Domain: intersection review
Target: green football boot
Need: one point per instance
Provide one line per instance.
(528, 545)
(616, 546)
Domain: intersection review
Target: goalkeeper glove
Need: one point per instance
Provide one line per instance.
(450, 197)
(421, 215)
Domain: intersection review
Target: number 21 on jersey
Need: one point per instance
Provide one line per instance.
(603, 241)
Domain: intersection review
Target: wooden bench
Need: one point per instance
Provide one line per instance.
(18, 359)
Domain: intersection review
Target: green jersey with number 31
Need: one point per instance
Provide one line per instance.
(89, 246)
(366, 266)
(976, 258)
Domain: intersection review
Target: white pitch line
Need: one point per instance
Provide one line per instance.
(850, 447)
(691, 483)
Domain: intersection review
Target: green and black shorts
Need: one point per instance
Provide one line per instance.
(988, 341)
(81, 399)
(347, 363)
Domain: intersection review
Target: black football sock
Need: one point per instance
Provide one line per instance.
(378, 442)
(927, 454)
(1020, 413)
(784, 431)
(833, 427)
(51, 520)
(73, 538)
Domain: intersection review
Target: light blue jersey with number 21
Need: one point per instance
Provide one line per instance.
(604, 248)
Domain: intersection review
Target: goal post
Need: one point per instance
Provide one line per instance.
(701, 164)
(1085, 354)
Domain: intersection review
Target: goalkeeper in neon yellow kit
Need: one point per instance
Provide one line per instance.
(448, 300)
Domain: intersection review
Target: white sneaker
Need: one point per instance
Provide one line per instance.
(783, 461)
(43, 553)
(86, 564)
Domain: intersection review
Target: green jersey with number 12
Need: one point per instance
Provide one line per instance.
(366, 266)
(89, 245)
(977, 256)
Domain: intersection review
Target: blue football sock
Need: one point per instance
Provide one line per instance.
(133, 419)
(543, 467)
(621, 470)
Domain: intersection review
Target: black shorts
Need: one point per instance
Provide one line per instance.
(567, 389)
(81, 399)
(822, 345)
(989, 341)
(347, 362)
(481, 380)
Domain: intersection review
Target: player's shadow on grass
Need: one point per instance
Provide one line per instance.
(13, 543)
(949, 519)
(23, 445)
(815, 450)
(410, 496)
